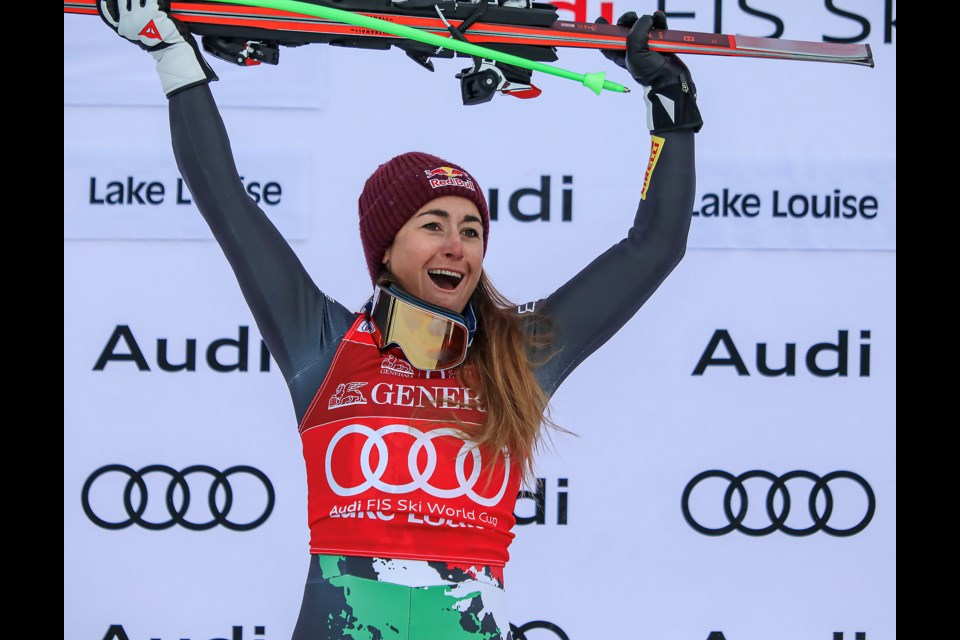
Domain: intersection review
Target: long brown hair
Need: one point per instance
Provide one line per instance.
(499, 368)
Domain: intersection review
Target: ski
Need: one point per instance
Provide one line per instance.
(252, 35)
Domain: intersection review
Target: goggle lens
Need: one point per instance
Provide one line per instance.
(431, 339)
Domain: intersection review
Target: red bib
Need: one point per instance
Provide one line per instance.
(391, 473)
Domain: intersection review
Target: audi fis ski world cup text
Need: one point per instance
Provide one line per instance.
(421, 511)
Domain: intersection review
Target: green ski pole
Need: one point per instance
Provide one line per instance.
(593, 81)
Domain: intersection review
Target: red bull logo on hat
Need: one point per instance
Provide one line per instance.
(449, 177)
(445, 172)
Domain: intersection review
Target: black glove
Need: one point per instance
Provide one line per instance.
(669, 91)
(148, 24)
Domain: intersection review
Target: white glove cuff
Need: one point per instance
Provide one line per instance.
(179, 67)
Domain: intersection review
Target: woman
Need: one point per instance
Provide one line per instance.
(420, 414)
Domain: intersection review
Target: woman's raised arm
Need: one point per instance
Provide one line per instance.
(586, 311)
(292, 314)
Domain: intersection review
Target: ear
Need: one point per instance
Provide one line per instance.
(386, 256)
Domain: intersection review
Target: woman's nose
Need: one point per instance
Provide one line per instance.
(453, 247)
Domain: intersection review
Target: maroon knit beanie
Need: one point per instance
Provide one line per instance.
(401, 186)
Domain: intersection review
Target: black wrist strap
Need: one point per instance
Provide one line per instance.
(674, 108)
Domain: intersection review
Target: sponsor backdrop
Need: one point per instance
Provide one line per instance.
(733, 469)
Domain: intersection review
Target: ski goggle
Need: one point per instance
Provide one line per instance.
(431, 338)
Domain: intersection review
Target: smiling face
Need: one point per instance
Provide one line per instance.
(438, 254)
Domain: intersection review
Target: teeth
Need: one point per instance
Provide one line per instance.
(444, 272)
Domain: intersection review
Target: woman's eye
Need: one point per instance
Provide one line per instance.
(432, 226)
(471, 233)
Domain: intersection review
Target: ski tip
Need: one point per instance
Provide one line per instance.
(870, 56)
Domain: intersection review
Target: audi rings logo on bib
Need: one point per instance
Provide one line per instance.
(197, 498)
(798, 503)
(365, 456)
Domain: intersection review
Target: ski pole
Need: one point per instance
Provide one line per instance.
(593, 81)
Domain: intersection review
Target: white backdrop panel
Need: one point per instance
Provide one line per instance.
(102, 71)
(625, 563)
(134, 192)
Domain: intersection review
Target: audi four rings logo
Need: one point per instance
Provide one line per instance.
(372, 478)
(179, 479)
(778, 517)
